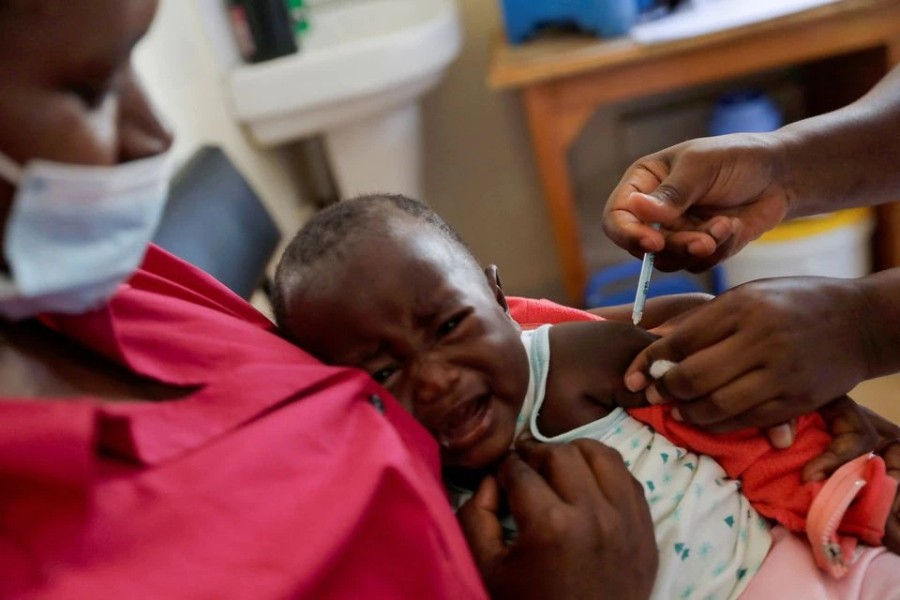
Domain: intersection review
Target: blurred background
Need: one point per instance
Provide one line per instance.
(400, 86)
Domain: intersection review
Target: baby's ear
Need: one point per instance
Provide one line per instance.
(493, 276)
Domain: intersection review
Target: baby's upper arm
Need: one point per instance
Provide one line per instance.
(588, 360)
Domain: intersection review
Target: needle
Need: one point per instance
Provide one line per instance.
(643, 285)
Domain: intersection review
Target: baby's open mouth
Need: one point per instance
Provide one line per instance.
(466, 423)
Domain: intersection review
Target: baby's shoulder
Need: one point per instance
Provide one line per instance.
(587, 366)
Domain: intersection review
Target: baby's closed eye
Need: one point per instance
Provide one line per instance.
(383, 374)
(451, 324)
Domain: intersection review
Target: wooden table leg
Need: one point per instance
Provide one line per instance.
(553, 130)
(888, 236)
(888, 232)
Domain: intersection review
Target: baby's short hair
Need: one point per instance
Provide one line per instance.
(324, 237)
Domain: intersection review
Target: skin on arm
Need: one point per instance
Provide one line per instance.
(713, 195)
(584, 381)
(664, 316)
(658, 311)
(584, 525)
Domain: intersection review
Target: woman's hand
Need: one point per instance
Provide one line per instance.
(712, 196)
(889, 449)
(761, 353)
(584, 525)
(853, 435)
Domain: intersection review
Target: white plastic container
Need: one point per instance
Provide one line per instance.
(835, 245)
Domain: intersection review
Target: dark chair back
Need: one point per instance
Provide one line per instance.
(215, 221)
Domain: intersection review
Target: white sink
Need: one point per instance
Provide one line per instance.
(361, 69)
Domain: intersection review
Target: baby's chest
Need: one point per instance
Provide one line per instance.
(709, 536)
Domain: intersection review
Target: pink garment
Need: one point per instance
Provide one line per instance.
(789, 571)
(278, 477)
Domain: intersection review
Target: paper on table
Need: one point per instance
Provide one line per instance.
(707, 16)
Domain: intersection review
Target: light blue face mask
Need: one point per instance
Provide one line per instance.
(76, 232)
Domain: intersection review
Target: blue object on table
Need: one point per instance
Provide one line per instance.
(744, 111)
(605, 18)
(617, 284)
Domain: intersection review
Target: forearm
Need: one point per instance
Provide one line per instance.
(657, 310)
(881, 321)
(845, 158)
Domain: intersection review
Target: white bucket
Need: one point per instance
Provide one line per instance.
(835, 245)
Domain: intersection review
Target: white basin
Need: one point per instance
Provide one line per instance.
(362, 67)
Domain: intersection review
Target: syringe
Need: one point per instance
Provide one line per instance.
(643, 285)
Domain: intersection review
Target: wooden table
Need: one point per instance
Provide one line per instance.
(844, 48)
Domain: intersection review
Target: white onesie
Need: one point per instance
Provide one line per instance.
(711, 540)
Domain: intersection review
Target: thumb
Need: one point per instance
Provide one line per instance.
(668, 203)
(652, 208)
(664, 204)
(688, 176)
(481, 525)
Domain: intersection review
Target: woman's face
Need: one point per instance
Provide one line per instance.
(67, 92)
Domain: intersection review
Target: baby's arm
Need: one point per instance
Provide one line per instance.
(588, 358)
(657, 310)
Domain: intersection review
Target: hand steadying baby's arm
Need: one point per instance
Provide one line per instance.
(854, 431)
(888, 447)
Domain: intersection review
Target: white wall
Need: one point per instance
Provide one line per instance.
(479, 170)
(183, 77)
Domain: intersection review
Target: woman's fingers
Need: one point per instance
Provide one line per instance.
(697, 331)
(852, 436)
(584, 525)
(564, 467)
(481, 525)
(625, 228)
(742, 402)
(759, 354)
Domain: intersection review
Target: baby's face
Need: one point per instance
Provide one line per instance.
(424, 322)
